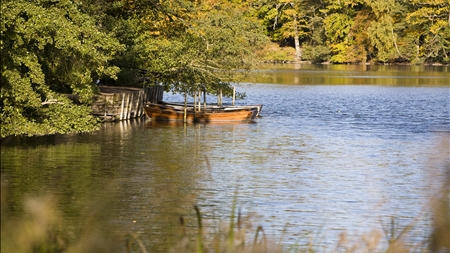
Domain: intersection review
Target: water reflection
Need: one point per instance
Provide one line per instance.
(307, 74)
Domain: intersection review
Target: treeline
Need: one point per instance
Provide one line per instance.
(55, 47)
(360, 31)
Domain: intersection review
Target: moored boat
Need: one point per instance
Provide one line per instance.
(258, 107)
(166, 112)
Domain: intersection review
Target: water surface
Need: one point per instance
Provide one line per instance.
(337, 149)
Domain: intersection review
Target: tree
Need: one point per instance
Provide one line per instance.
(430, 21)
(360, 50)
(200, 46)
(382, 31)
(49, 48)
(290, 28)
(342, 28)
(285, 20)
(337, 29)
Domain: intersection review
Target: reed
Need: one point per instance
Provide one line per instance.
(41, 229)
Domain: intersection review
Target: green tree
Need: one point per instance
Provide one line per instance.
(341, 30)
(430, 23)
(291, 28)
(337, 29)
(382, 32)
(49, 48)
(267, 13)
(197, 46)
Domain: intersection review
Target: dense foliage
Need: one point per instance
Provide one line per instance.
(48, 48)
(359, 31)
(55, 47)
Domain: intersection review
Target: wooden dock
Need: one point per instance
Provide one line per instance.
(123, 103)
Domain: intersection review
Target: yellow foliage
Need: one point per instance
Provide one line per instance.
(439, 25)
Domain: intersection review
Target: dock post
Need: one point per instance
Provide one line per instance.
(195, 102)
(234, 95)
(204, 99)
(185, 107)
(219, 96)
(199, 100)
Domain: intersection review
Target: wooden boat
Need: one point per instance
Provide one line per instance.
(164, 112)
(258, 107)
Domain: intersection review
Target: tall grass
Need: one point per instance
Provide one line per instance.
(41, 229)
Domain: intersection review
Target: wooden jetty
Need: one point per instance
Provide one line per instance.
(123, 103)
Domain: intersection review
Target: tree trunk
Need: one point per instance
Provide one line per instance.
(298, 51)
(204, 99)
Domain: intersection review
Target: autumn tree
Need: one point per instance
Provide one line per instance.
(430, 23)
(354, 31)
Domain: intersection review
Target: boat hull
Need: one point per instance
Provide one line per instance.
(164, 112)
(258, 107)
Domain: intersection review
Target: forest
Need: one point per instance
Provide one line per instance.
(53, 50)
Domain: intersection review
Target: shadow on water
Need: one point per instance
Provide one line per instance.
(114, 182)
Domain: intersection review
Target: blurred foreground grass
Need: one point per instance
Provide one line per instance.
(41, 228)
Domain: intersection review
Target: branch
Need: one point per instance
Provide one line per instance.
(279, 12)
(51, 101)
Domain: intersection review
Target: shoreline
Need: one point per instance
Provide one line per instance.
(274, 54)
(436, 64)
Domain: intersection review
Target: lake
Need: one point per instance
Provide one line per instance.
(338, 148)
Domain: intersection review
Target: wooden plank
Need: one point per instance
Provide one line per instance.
(122, 106)
(129, 104)
(121, 103)
(136, 105)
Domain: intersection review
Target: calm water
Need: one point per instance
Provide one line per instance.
(337, 149)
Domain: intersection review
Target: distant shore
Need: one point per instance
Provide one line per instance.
(365, 63)
(274, 54)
